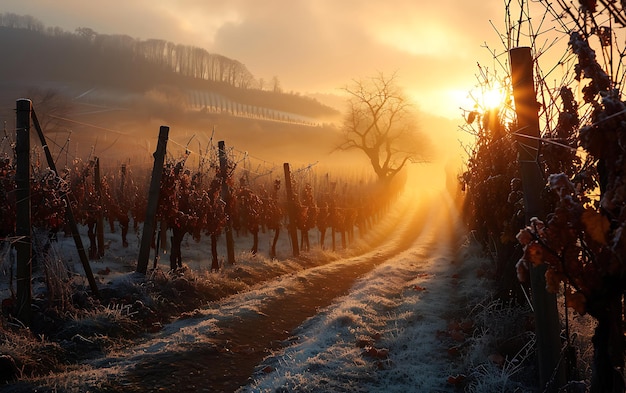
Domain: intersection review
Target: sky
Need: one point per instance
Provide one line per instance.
(311, 46)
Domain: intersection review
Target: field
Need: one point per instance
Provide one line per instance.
(347, 319)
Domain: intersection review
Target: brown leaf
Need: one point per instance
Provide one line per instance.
(596, 225)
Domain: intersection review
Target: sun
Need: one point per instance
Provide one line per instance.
(492, 97)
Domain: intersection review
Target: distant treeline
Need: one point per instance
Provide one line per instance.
(185, 60)
(32, 51)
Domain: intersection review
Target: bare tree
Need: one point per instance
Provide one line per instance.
(380, 123)
(276, 88)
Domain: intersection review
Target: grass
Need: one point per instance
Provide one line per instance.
(64, 333)
(498, 356)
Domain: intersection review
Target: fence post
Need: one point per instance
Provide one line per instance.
(153, 201)
(122, 181)
(547, 324)
(23, 229)
(291, 211)
(69, 213)
(100, 214)
(230, 243)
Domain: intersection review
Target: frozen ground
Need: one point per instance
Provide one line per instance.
(382, 319)
(386, 334)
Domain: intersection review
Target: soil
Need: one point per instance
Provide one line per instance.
(230, 361)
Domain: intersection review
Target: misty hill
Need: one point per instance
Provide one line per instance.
(107, 95)
(85, 61)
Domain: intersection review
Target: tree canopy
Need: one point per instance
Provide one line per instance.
(382, 124)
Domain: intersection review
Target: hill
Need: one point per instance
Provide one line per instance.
(112, 86)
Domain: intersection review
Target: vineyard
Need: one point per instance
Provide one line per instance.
(215, 103)
(550, 157)
(288, 278)
(220, 195)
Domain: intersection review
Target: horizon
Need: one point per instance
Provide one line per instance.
(312, 47)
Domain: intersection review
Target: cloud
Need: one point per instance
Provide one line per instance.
(310, 45)
(324, 44)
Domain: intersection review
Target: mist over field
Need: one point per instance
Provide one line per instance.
(107, 95)
(312, 195)
(362, 239)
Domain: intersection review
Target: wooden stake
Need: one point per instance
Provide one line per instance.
(100, 214)
(122, 181)
(69, 213)
(230, 243)
(547, 324)
(23, 229)
(153, 201)
(291, 211)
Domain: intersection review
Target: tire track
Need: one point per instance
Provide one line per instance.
(432, 264)
(226, 362)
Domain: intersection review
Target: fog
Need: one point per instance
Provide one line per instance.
(107, 95)
(312, 46)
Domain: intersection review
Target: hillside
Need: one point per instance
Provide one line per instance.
(93, 91)
(119, 61)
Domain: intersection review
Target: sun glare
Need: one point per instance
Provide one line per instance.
(492, 97)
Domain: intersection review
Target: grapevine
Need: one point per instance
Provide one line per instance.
(272, 215)
(580, 242)
(250, 208)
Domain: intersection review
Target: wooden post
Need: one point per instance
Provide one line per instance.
(100, 214)
(291, 211)
(122, 181)
(23, 229)
(69, 213)
(230, 244)
(547, 324)
(153, 201)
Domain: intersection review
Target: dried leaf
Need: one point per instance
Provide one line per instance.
(596, 225)
(534, 253)
(576, 301)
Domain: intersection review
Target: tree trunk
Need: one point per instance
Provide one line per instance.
(163, 233)
(176, 257)
(156, 244)
(304, 240)
(215, 264)
(255, 242)
(274, 241)
(91, 234)
(124, 223)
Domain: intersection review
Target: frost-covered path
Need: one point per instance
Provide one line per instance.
(316, 326)
(369, 322)
(391, 333)
(253, 324)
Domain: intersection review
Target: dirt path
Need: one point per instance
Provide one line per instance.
(219, 349)
(226, 362)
